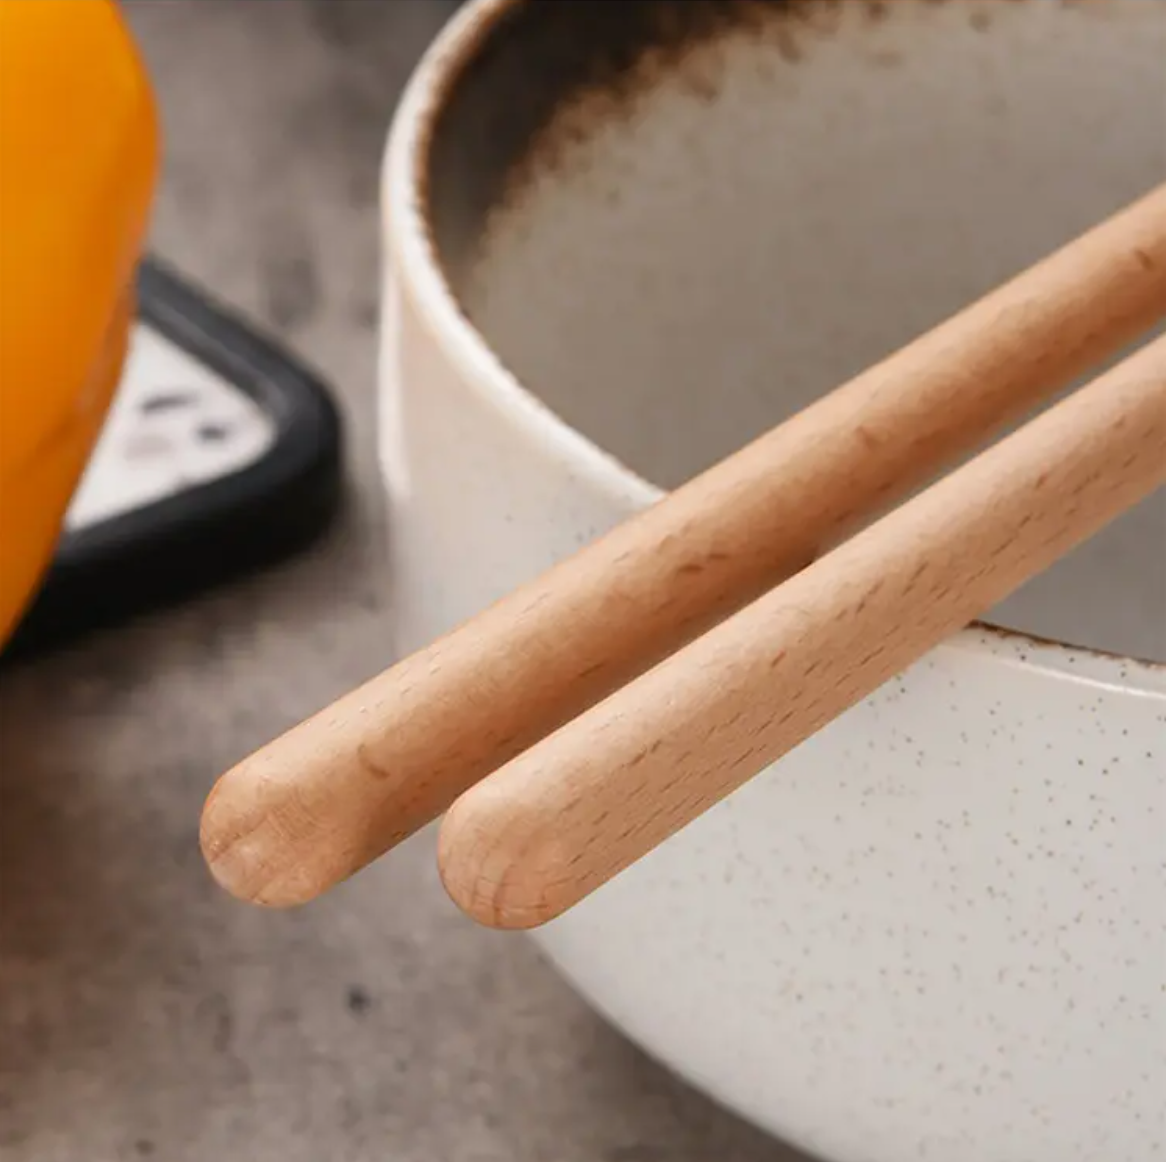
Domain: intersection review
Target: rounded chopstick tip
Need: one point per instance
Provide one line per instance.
(246, 853)
(496, 863)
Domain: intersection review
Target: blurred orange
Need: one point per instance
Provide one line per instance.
(78, 162)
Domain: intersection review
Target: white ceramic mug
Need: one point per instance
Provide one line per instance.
(624, 238)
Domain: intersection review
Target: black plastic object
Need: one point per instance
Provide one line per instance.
(200, 536)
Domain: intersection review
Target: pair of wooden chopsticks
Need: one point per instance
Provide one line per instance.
(593, 712)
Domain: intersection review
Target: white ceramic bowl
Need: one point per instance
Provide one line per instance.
(625, 237)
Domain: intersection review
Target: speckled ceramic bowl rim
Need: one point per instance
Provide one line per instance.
(418, 272)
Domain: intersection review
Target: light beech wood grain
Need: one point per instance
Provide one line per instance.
(337, 791)
(575, 809)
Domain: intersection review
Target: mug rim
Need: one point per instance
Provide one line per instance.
(418, 271)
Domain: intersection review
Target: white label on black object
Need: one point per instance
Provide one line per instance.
(173, 424)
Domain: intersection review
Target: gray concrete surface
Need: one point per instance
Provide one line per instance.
(142, 1014)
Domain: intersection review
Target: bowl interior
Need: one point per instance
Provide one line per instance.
(678, 226)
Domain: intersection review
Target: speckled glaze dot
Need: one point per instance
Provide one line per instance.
(621, 248)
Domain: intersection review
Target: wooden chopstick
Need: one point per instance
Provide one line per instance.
(340, 789)
(564, 817)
